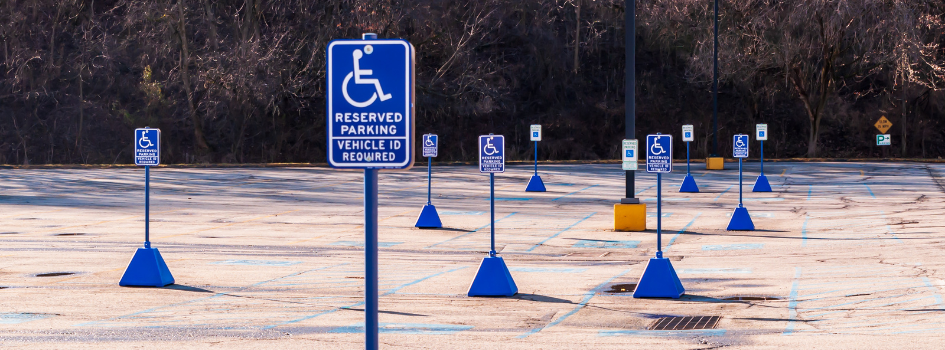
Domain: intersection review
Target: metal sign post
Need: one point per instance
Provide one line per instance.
(535, 184)
(429, 218)
(689, 183)
(659, 279)
(741, 220)
(493, 277)
(370, 105)
(761, 184)
(147, 267)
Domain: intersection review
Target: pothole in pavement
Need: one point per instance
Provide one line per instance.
(622, 288)
(54, 274)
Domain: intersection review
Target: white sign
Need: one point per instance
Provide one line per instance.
(687, 133)
(536, 132)
(883, 140)
(761, 132)
(630, 154)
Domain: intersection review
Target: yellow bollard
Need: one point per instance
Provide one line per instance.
(630, 217)
(714, 163)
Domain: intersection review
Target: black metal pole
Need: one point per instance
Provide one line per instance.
(715, 86)
(630, 91)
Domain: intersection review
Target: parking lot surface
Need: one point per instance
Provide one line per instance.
(844, 255)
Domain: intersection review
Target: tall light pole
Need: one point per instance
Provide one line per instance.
(630, 79)
(715, 86)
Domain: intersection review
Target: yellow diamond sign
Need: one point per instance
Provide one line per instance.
(883, 124)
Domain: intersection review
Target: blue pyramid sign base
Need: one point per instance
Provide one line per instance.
(493, 279)
(659, 280)
(689, 185)
(429, 218)
(147, 269)
(761, 184)
(535, 184)
(741, 220)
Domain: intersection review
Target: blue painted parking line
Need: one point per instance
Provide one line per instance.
(754, 215)
(560, 232)
(470, 232)
(804, 231)
(586, 243)
(546, 270)
(406, 328)
(361, 244)
(17, 317)
(592, 186)
(135, 314)
(869, 189)
(745, 246)
(257, 262)
(649, 333)
(709, 271)
(653, 215)
(723, 192)
(672, 240)
(643, 190)
(792, 303)
(587, 298)
(392, 291)
(810, 188)
(510, 199)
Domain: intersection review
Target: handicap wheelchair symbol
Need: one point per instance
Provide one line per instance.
(656, 148)
(739, 142)
(144, 141)
(428, 141)
(359, 79)
(489, 149)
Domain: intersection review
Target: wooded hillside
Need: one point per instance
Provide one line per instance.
(244, 80)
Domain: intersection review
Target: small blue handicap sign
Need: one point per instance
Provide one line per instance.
(740, 146)
(761, 134)
(370, 104)
(687, 134)
(659, 153)
(430, 145)
(491, 154)
(147, 146)
(629, 153)
(535, 134)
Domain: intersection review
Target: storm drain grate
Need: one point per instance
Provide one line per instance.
(685, 323)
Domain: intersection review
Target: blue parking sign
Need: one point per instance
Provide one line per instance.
(740, 146)
(147, 146)
(370, 104)
(491, 154)
(430, 145)
(659, 153)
